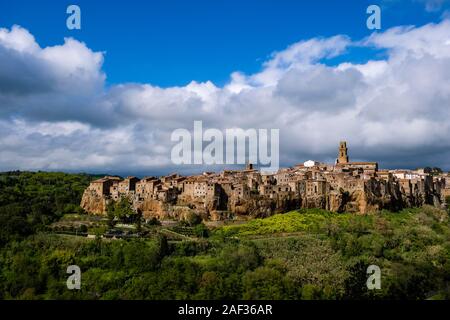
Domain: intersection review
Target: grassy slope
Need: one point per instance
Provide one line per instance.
(316, 221)
(331, 250)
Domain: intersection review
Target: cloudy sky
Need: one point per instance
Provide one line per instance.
(64, 107)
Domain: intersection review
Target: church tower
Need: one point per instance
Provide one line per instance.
(343, 156)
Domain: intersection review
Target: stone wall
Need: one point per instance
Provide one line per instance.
(235, 196)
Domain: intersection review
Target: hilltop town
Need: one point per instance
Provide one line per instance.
(356, 187)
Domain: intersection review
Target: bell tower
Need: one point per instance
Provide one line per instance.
(342, 156)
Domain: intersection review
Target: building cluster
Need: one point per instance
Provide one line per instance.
(342, 186)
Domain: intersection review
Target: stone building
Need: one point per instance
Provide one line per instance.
(349, 186)
(342, 156)
(127, 185)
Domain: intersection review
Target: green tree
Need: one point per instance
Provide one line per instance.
(111, 214)
(163, 246)
(201, 231)
(264, 283)
(193, 219)
(124, 212)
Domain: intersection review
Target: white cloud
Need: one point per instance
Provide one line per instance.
(407, 42)
(56, 113)
(299, 55)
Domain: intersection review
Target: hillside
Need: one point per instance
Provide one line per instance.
(29, 201)
(305, 254)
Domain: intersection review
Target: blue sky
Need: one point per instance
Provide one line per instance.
(116, 90)
(172, 42)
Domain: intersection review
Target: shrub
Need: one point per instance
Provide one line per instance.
(153, 222)
(201, 231)
(193, 219)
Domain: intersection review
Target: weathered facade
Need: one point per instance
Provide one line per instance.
(358, 187)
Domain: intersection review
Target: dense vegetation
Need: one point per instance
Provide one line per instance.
(31, 201)
(306, 254)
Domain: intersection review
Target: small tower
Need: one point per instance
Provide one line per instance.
(343, 156)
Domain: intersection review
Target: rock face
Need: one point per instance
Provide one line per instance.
(357, 187)
(376, 195)
(259, 206)
(93, 203)
(227, 203)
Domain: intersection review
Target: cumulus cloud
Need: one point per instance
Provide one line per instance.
(55, 83)
(56, 113)
(321, 88)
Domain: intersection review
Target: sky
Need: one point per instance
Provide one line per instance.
(107, 97)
